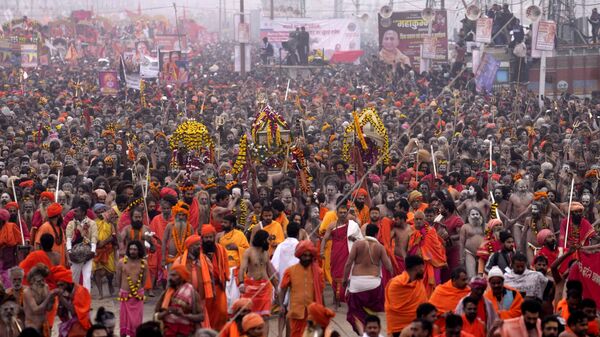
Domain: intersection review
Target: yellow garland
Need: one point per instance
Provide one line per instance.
(368, 115)
(192, 135)
(241, 160)
(134, 287)
(358, 131)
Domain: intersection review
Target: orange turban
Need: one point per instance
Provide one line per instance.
(27, 183)
(240, 304)
(320, 314)
(470, 180)
(191, 240)
(181, 207)
(12, 205)
(47, 195)
(208, 229)
(539, 195)
(252, 320)
(576, 207)
(61, 274)
(305, 246)
(54, 210)
(361, 192)
(182, 271)
(415, 195)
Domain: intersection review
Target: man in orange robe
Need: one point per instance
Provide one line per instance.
(415, 200)
(279, 214)
(305, 282)
(446, 296)
(497, 292)
(75, 299)
(360, 197)
(239, 309)
(188, 190)
(198, 267)
(471, 323)
(403, 294)
(425, 242)
(10, 237)
(217, 254)
(158, 226)
(53, 227)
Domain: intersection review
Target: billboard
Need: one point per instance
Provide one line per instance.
(329, 35)
(29, 56)
(282, 8)
(402, 35)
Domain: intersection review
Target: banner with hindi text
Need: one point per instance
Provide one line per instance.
(403, 34)
(587, 270)
(29, 56)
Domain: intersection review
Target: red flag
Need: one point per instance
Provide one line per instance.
(587, 271)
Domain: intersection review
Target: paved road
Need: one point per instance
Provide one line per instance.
(339, 322)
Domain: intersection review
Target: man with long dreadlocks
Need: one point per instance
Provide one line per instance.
(176, 233)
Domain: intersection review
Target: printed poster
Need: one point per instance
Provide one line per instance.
(108, 82)
(484, 30)
(29, 56)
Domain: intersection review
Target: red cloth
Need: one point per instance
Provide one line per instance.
(584, 271)
(194, 217)
(33, 259)
(82, 301)
(349, 56)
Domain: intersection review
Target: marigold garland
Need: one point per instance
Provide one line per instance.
(242, 156)
(368, 115)
(179, 242)
(134, 287)
(270, 121)
(191, 135)
(243, 212)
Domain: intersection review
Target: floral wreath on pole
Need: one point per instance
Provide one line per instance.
(271, 137)
(192, 145)
(372, 137)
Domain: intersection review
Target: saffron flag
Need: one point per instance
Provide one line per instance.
(587, 271)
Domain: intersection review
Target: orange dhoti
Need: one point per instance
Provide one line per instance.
(217, 308)
(297, 327)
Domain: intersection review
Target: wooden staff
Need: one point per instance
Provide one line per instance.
(57, 186)
(18, 213)
(434, 166)
(491, 148)
(287, 90)
(569, 213)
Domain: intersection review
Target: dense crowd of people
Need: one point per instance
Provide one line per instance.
(468, 224)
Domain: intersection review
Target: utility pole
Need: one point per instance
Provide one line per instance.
(242, 44)
(542, 84)
(272, 11)
(177, 27)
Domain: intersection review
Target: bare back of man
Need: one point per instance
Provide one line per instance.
(400, 235)
(258, 263)
(367, 257)
(37, 300)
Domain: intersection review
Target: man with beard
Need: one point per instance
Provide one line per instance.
(446, 296)
(471, 323)
(255, 273)
(239, 309)
(502, 258)
(188, 189)
(389, 203)
(484, 308)
(364, 284)
(415, 200)
(10, 325)
(198, 267)
(137, 231)
(27, 215)
(577, 324)
(425, 242)
(528, 282)
(580, 229)
(305, 282)
(360, 202)
(54, 227)
(550, 326)
(104, 261)
(528, 324)
(74, 303)
(517, 203)
(533, 225)
(452, 223)
(279, 215)
(13, 210)
(264, 179)
(236, 243)
(158, 225)
(41, 214)
(404, 293)
(217, 254)
(507, 301)
(180, 307)
(16, 275)
(176, 233)
(132, 272)
(10, 238)
(38, 299)
(82, 231)
(272, 227)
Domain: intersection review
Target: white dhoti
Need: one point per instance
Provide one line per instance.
(360, 283)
